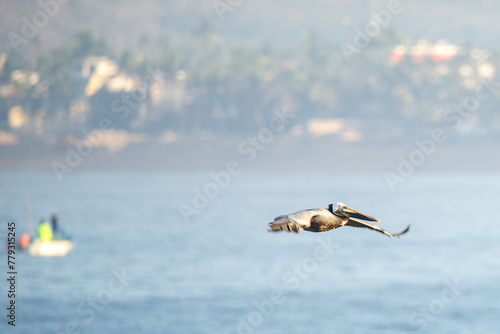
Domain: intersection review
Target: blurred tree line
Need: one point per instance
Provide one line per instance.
(209, 87)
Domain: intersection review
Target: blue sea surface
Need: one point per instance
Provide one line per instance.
(179, 253)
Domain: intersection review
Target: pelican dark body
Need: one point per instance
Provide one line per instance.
(321, 220)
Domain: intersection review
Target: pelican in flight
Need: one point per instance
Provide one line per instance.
(321, 220)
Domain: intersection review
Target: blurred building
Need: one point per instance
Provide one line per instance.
(441, 51)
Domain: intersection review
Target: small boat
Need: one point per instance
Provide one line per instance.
(51, 240)
(49, 248)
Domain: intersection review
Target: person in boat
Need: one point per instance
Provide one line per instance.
(44, 231)
(57, 230)
(56, 227)
(54, 221)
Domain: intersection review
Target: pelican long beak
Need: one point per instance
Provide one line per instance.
(350, 212)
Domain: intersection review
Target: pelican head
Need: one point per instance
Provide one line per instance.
(343, 210)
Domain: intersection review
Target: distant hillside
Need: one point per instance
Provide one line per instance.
(125, 22)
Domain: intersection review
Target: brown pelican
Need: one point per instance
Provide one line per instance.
(321, 220)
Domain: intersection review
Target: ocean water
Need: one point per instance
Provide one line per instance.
(177, 253)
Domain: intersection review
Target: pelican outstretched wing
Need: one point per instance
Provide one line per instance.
(359, 223)
(284, 223)
(295, 222)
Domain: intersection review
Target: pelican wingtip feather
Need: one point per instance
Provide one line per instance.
(403, 232)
